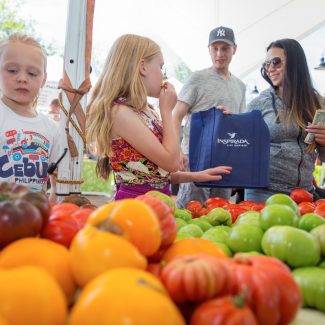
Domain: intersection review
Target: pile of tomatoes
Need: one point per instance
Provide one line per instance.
(197, 209)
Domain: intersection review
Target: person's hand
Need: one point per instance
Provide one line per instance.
(168, 97)
(183, 162)
(212, 174)
(319, 132)
(225, 110)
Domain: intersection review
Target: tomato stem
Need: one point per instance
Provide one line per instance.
(109, 226)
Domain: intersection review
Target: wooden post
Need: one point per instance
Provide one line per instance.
(75, 84)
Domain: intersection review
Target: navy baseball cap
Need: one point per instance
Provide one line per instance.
(222, 34)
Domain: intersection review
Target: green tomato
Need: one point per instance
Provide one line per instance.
(249, 218)
(277, 214)
(183, 236)
(245, 238)
(280, 198)
(183, 214)
(192, 230)
(218, 216)
(311, 281)
(218, 234)
(163, 197)
(204, 225)
(319, 234)
(310, 221)
(247, 254)
(180, 223)
(294, 246)
(225, 249)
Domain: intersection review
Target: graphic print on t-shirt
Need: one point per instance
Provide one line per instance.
(24, 158)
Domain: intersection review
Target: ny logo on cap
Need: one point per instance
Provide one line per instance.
(221, 32)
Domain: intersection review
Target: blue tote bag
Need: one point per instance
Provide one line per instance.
(241, 141)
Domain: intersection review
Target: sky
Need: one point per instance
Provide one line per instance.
(134, 17)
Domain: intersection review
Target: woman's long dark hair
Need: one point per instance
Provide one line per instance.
(299, 96)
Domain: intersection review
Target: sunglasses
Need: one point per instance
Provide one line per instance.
(275, 62)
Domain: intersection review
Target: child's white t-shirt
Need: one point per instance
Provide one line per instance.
(27, 146)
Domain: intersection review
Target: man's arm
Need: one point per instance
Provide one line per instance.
(180, 111)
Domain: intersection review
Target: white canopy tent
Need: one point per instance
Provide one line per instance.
(185, 25)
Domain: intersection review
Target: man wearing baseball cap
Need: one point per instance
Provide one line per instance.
(215, 86)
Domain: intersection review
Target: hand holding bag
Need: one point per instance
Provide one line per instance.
(238, 140)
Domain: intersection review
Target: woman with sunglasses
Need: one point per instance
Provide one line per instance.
(288, 107)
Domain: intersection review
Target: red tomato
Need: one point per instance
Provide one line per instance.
(67, 208)
(235, 210)
(155, 269)
(64, 224)
(320, 210)
(60, 229)
(216, 202)
(194, 207)
(319, 202)
(247, 204)
(306, 207)
(202, 212)
(82, 216)
(258, 206)
(299, 195)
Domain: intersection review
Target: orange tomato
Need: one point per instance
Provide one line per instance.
(125, 295)
(50, 256)
(102, 213)
(30, 295)
(140, 223)
(192, 246)
(94, 251)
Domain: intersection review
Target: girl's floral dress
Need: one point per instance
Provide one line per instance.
(131, 167)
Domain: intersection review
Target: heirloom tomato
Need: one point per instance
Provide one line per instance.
(268, 285)
(23, 213)
(224, 310)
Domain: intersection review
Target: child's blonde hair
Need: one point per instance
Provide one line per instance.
(25, 39)
(119, 78)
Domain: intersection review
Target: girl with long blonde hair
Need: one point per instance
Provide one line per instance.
(140, 147)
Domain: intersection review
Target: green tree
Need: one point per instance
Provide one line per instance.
(11, 22)
(182, 71)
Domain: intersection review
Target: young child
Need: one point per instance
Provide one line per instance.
(140, 148)
(27, 138)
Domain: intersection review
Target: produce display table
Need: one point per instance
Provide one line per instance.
(309, 317)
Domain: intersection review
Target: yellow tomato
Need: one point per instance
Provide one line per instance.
(125, 296)
(94, 251)
(136, 220)
(102, 213)
(30, 295)
(140, 223)
(52, 257)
